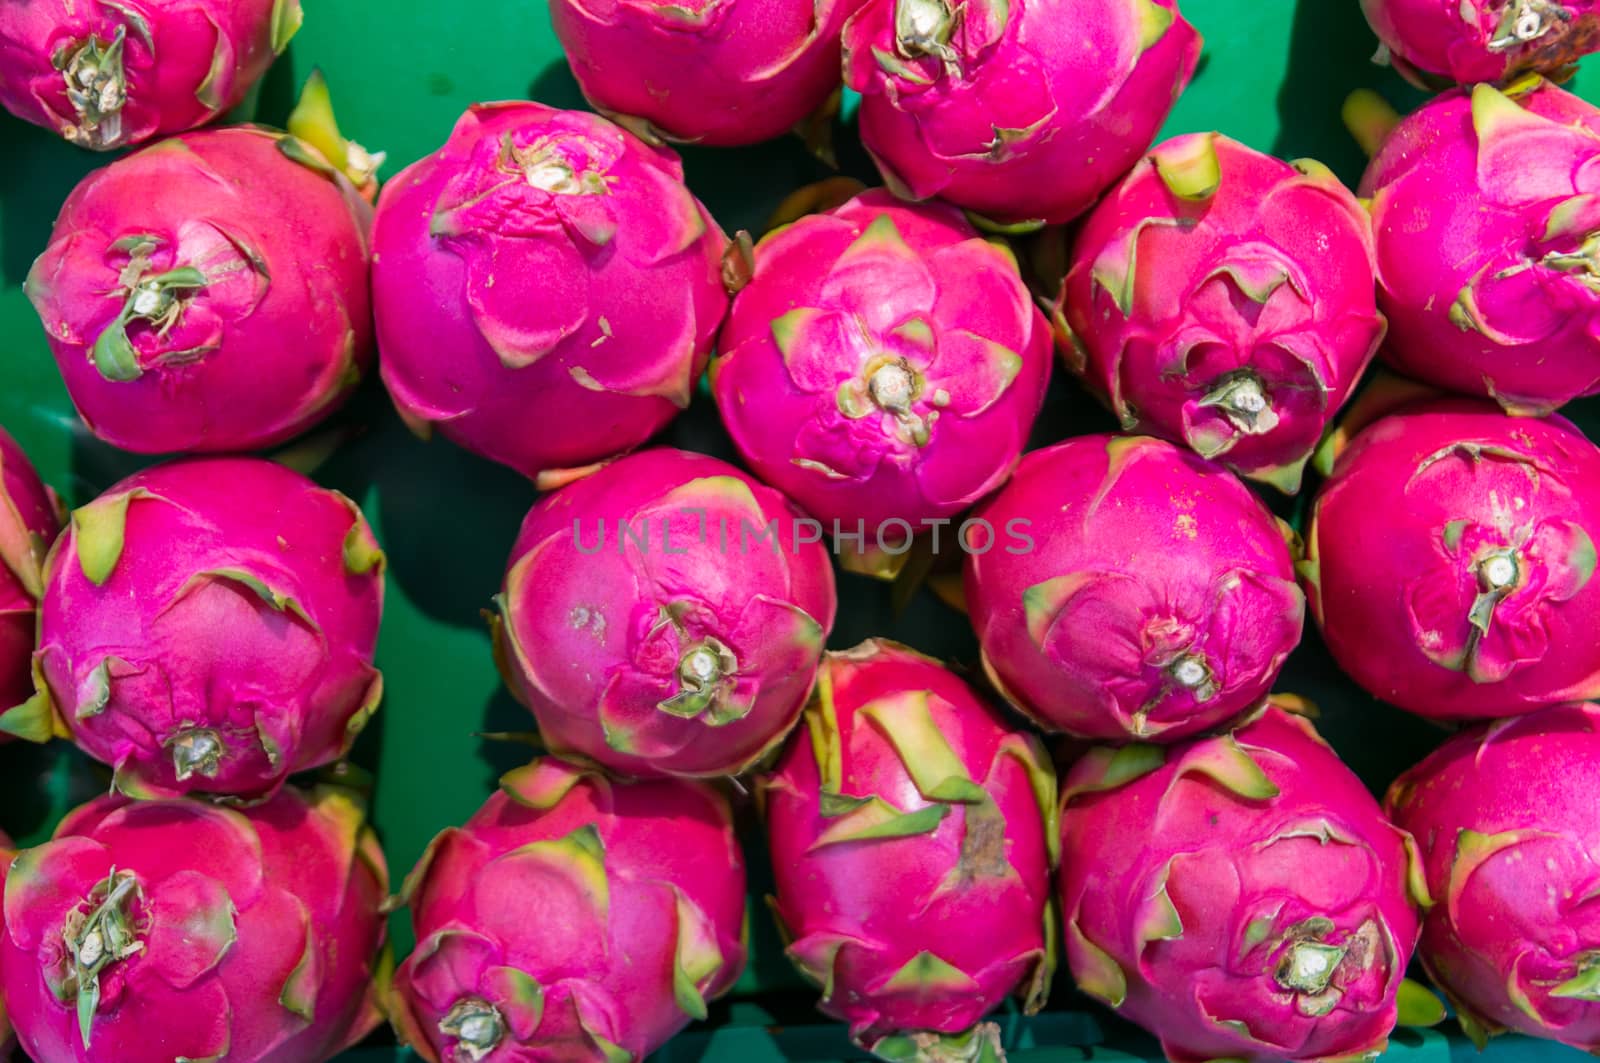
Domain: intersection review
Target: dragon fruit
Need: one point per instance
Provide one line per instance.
(153, 931)
(913, 833)
(8, 1040)
(1022, 111)
(547, 290)
(572, 918)
(1240, 896)
(1508, 824)
(1487, 222)
(883, 367)
(208, 293)
(1436, 43)
(665, 616)
(716, 72)
(117, 73)
(208, 626)
(1123, 588)
(1472, 596)
(30, 517)
(1223, 298)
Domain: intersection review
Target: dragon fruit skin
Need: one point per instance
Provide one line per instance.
(1223, 298)
(209, 626)
(1472, 597)
(1240, 896)
(8, 1040)
(1022, 111)
(913, 832)
(208, 293)
(30, 518)
(114, 75)
(1434, 43)
(684, 643)
(1488, 241)
(716, 72)
(886, 363)
(1505, 815)
(1128, 589)
(551, 322)
(250, 933)
(572, 918)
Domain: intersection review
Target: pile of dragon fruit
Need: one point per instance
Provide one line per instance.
(1116, 783)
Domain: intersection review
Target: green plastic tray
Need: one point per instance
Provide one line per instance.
(1273, 76)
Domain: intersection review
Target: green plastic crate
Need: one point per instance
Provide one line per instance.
(1273, 75)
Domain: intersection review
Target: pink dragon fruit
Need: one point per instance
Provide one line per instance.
(1223, 298)
(1436, 43)
(1240, 896)
(716, 72)
(115, 74)
(1487, 221)
(1508, 822)
(153, 931)
(208, 293)
(1473, 595)
(913, 834)
(8, 1040)
(572, 918)
(884, 366)
(1122, 588)
(30, 517)
(547, 289)
(208, 626)
(665, 616)
(1022, 111)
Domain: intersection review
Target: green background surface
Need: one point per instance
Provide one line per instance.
(1273, 75)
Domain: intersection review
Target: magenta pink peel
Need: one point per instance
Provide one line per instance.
(715, 72)
(572, 918)
(208, 626)
(1484, 208)
(884, 365)
(8, 1039)
(1242, 897)
(1450, 561)
(547, 290)
(114, 75)
(30, 518)
(1436, 43)
(1021, 111)
(1128, 589)
(913, 831)
(148, 931)
(1222, 298)
(1506, 814)
(208, 293)
(665, 616)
